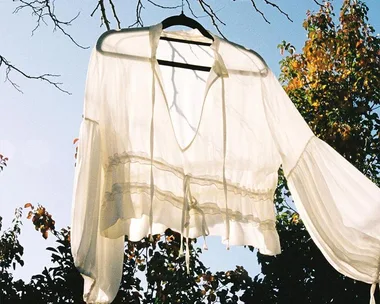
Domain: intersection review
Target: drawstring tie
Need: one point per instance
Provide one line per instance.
(373, 286)
(205, 247)
(227, 233)
(189, 202)
(151, 154)
(372, 293)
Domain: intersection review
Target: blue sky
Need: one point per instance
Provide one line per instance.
(37, 128)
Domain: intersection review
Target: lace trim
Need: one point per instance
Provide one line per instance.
(125, 158)
(207, 208)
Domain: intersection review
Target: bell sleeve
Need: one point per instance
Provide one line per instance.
(98, 259)
(339, 206)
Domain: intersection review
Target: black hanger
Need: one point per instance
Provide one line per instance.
(183, 20)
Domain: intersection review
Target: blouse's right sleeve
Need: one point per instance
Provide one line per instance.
(339, 206)
(98, 259)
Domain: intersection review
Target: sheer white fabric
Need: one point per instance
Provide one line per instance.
(338, 204)
(199, 152)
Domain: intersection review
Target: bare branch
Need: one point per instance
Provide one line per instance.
(164, 6)
(206, 7)
(115, 15)
(95, 9)
(104, 15)
(260, 12)
(279, 9)
(45, 9)
(320, 4)
(190, 9)
(9, 68)
(139, 21)
(210, 12)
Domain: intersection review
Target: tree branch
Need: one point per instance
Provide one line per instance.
(9, 68)
(139, 21)
(259, 11)
(45, 9)
(210, 12)
(115, 15)
(279, 9)
(104, 15)
(320, 4)
(190, 9)
(164, 6)
(95, 9)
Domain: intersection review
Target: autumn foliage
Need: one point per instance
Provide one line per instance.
(41, 219)
(335, 82)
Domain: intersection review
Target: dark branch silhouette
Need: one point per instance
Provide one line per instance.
(44, 11)
(9, 68)
(211, 13)
(115, 14)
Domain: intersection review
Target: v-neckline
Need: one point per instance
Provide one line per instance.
(155, 34)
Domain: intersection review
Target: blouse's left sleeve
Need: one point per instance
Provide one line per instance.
(339, 206)
(98, 259)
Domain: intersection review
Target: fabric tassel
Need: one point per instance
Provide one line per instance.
(151, 156)
(180, 254)
(187, 258)
(372, 293)
(204, 243)
(227, 225)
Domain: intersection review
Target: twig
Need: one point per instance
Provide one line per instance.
(45, 9)
(259, 11)
(139, 21)
(289, 207)
(44, 77)
(190, 9)
(164, 6)
(279, 9)
(104, 15)
(95, 9)
(320, 4)
(115, 15)
(210, 12)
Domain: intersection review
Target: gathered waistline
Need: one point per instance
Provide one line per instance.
(127, 157)
(205, 208)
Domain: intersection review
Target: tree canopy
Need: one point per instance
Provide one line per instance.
(335, 83)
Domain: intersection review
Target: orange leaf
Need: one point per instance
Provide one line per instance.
(75, 140)
(27, 205)
(45, 234)
(30, 213)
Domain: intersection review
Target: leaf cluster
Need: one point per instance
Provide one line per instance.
(3, 162)
(335, 82)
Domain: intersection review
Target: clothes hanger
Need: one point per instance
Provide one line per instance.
(183, 20)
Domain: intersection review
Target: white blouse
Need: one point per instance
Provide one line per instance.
(198, 152)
